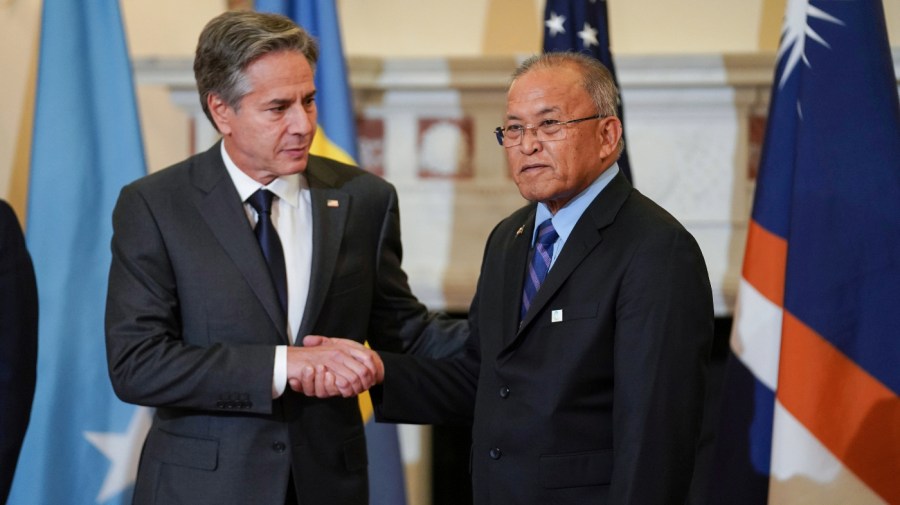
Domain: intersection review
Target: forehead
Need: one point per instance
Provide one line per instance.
(544, 90)
(281, 68)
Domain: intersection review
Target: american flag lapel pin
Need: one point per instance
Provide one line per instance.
(332, 203)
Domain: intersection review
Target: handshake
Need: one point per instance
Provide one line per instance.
(326, 367)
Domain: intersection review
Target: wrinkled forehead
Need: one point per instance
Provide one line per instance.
(544, 91)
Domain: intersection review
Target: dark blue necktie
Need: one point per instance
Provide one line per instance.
(540, 264)
(261, 201)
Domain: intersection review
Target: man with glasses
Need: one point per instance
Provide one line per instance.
(592, 325)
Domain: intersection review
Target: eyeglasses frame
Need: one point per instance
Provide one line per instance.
(499, 130)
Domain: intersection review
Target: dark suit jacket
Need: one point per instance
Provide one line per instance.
(597, 397)
(193, 320)
(18, 343)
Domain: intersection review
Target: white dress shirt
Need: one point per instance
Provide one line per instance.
(292, 217)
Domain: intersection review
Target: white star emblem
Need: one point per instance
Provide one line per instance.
(795, 32)
(588, 36)
(555, 24)
(123, 451)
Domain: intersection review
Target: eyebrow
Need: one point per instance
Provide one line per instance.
(288, 101)
(277, 101)
(542, 112)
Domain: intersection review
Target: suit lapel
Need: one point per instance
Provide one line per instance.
(582, 241)
(517, 248)
(585, 237)
(220, 206)
(329, 217)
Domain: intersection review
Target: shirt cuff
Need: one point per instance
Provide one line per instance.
(279, 376)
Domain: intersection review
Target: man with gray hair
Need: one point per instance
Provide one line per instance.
(223, 262)
(592, 324)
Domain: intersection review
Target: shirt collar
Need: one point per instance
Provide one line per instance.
(566, 217)
(286, 187)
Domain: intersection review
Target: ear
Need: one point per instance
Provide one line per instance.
(221, 112)
(610, 133)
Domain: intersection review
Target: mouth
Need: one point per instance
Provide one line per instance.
(295, 151)
(534, 167)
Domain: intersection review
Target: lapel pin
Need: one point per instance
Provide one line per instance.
(520, 230)
(333, 204)
(556, 316)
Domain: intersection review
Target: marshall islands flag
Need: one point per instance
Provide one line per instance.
(812, 414)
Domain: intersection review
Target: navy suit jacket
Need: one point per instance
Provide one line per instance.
(18, 343)
(597, 395)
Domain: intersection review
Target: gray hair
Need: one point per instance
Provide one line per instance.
(230, 42)
(596, 79)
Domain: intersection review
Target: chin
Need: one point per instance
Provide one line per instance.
(295, 168)
(531, 196)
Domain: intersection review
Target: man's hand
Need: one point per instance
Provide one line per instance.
(326, 367)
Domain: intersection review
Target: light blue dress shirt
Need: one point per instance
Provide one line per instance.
(566, 217)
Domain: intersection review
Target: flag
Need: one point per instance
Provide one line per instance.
(583, 26)
(336, 138)
(82, 444)
(811, 412)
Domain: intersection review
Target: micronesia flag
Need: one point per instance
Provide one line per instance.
(812, 414)
(83, 444)
(336, 138)
(583, 26)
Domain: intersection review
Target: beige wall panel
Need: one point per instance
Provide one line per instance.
(166, 27)
(19, 28)
(892, 15)
(165, 128)
(686, 26)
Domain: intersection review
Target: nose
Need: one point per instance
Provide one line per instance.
(530, 143)
(301, 121)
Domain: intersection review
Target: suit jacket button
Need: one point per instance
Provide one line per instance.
(504, 392)
(495, 453)
(279, 447)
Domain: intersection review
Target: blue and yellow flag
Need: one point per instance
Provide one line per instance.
(811, 408)
(83, 443)
(336, 138)
(583, 26)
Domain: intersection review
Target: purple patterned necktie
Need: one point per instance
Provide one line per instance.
(261, 201)
(540, 264)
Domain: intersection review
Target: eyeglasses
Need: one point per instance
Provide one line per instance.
(548, 129)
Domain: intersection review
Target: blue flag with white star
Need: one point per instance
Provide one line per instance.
(336, 138)
(583, 26)
(83, 443)
(811, 405)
